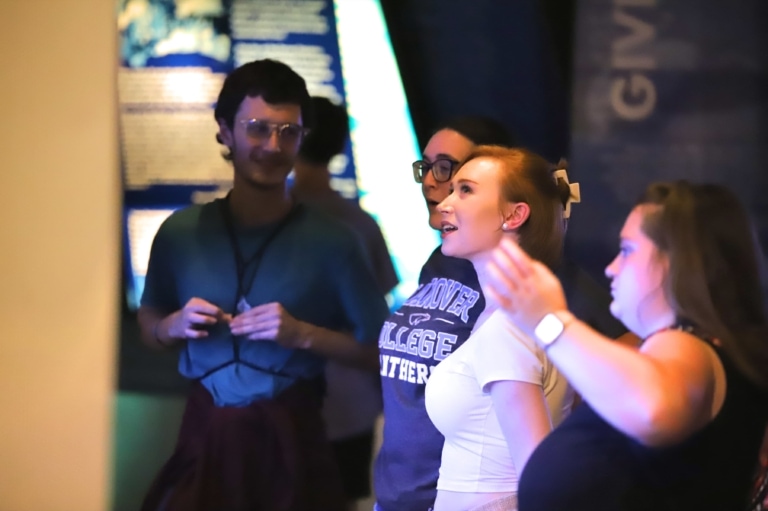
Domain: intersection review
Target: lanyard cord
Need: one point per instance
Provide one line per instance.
(241, 264)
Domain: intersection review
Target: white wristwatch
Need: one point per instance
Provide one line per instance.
(551, 327)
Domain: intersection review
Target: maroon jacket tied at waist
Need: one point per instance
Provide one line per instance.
(272, 455)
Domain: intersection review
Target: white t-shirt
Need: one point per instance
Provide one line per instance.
(458, 400)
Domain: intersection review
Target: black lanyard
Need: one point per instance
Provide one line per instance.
(241, 263)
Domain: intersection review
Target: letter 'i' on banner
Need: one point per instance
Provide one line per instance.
(662, 91)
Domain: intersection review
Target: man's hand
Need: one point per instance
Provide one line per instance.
(190, 321)
(270, 322)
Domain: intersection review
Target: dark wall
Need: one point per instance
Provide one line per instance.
(506, 59)
(665, 91)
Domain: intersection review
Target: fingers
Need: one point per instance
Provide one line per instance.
(503, 301)
(193, 333)
(200, 313)
(255, 314)
(195, 323)
(201, 306)
(254, 328)
(513, 279)
(507, 271)
(191, 321)
(262, 322)
(267, 309)
(498, 287)
(262, 312)
(195, 318)
(259, 322)
(264, 335)
(511, 257)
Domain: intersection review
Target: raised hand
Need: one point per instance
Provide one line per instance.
(524, 288)
(269, 322)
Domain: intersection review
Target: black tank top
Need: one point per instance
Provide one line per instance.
(586, 464)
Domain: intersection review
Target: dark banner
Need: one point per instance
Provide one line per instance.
(662, 91)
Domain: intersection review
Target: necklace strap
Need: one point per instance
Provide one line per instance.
(681, 326)
(241, 263)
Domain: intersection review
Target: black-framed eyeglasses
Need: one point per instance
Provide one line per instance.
(287, 132)
(442, 169)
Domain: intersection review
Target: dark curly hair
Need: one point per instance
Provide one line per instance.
(274, 81)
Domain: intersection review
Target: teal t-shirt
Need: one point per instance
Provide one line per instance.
(313, 267)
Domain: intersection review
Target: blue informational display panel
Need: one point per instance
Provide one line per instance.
(174, 56)
(662, 91)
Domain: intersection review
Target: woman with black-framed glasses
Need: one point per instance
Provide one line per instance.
(437, 319)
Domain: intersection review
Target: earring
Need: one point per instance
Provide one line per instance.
(504, 226)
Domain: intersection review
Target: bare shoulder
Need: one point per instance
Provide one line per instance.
(687, 357)
(676, 344)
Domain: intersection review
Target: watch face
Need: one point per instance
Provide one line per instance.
(549, 329)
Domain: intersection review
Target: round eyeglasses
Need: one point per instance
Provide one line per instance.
(442, 169)
(287, 133)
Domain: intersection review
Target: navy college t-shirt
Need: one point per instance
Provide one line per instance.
(429, 326)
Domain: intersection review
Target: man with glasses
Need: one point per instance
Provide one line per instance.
(257, 292)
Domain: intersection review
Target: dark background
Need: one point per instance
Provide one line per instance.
(507, 59)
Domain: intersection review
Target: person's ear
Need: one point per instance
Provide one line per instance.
(515, 215)
(224, 136)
